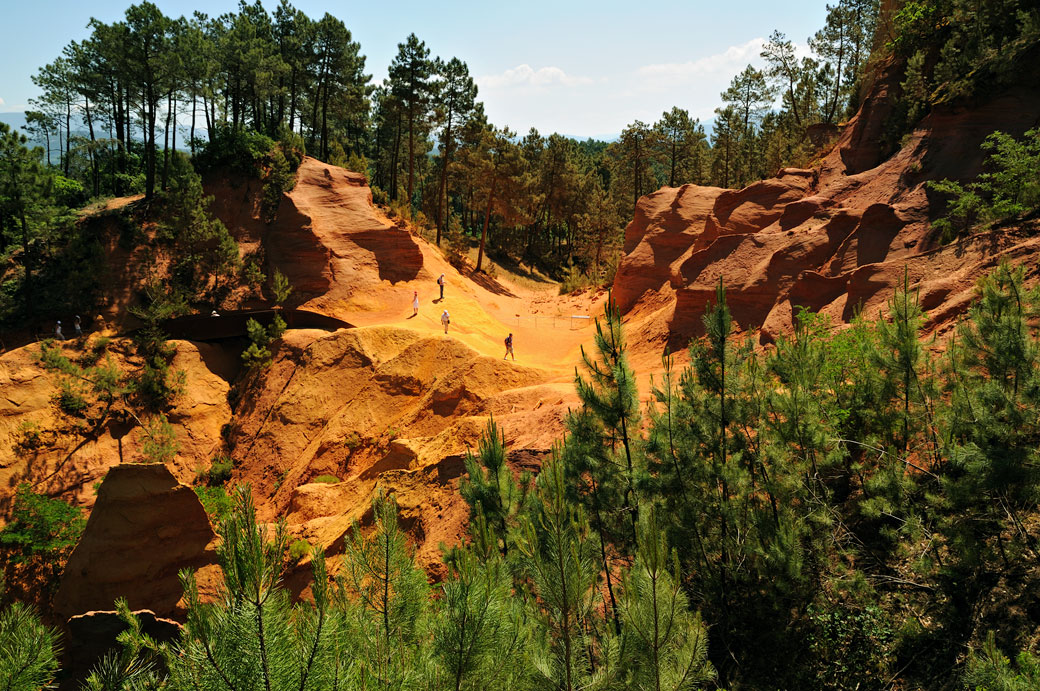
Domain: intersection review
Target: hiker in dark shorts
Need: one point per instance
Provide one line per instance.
(509, 347)
(440, 283)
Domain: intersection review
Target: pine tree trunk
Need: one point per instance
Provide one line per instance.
(487, 219)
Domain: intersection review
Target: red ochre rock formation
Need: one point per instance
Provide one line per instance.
(834, 239)
(332, 244)
(145, 528)
(381, 409)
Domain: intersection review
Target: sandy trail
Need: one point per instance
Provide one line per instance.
(374, 265)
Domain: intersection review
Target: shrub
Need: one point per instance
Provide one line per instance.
(281, 288)
(220, 471)
(215, 501)
(41, 530)
(575, 279)
(326, 479)
(990, 669)
(293, 147)
(252, 275)
(258, 355)
(28, 436)
(69, 400)
(379, 196)
(299, 549)
(239, 150)
(278, 179)
(1009, 188)
(160, 441)
(352, 441)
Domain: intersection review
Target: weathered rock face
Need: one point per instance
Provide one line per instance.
(381, 407)
(332, 244)
(835, 239)
(145, 527)
(68, 458)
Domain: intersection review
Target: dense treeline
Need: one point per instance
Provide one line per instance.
(116, 105)
(954, 49)
(850, 509)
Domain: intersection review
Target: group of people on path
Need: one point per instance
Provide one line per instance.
(77, 325)
(446, 318)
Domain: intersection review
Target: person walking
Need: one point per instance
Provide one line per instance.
(509, 347)
(415, 302)
(77, 326)
(440, 283)
(445, 319)
(60, 336)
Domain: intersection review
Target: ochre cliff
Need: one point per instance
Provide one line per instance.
(834, 239)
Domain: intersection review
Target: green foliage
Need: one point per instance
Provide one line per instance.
(159, 444)
(479, 628)
(1009, 188)
(253, 637)
(220, 471)
(84, 392)
(69, 400)
(234, 149)
(41, 532)
(956, 49)
(280, 288)
(299, 549)
(667, 643)
(216, 502)
(561, 564)
(494, 497)
(387, 594)
(277, 180)
(326, 479)
(850, 646)
(28, 436)
(989, 669)
(157, 385)
(28, 650)
(258, 354)
(205, 254)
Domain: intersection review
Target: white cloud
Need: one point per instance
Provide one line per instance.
(525, 75)
(1, 103)
(728, 62)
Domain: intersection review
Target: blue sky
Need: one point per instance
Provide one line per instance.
(580, 68)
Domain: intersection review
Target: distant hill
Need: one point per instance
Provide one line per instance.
(14, 119)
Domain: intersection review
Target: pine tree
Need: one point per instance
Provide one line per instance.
(489, 487)
(252, 637)
(28, 649)
(385, 595)
(561, 566)
(479, 628)
(665, 645)
(410, 83)
(993, 425)
(456, 99)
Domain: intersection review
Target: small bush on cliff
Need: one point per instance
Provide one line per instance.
(1009, 188)
(160, 440)
(258, 354)
(216, 502)
(220, 471)
(41, 532)
(234, 149)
